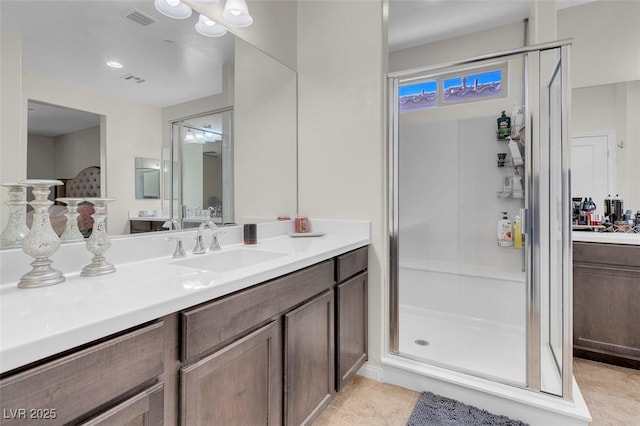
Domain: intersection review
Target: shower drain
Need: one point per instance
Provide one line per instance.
(421, 342)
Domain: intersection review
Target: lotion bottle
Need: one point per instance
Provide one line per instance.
(517, 232)
(504, 232)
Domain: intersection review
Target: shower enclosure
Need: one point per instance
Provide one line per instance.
(463, 297)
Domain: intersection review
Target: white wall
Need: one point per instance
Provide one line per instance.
(606, 41)
(341, 138)
(75, 151)
(489, 41)
(40, 157)
(273, 30)
(264, 136)
(11, 148)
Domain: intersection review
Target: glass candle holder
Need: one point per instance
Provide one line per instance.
(16, 230)
(41, 241)
(99, 242)
(72, 231)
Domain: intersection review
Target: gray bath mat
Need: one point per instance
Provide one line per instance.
(435, 410)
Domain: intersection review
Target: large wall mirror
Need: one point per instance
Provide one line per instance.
(168, 75)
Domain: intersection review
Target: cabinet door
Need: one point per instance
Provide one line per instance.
(606, 314)
(241, 384)
(144, 409)
(309, 359)
(351, 348)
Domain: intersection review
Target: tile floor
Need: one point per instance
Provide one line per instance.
(612, 395)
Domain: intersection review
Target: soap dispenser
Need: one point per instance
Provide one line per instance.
(504, 233)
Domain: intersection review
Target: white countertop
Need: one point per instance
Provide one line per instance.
(36, 323)
(607, 237)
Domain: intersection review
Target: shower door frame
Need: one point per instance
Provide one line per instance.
(530, 224)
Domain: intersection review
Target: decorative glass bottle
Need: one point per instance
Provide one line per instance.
(42, 241)
(71, 232)
(16, 230)
(98, 242)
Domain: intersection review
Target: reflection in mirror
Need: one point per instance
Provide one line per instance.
(61, 142)
(147, 182)
(604, 122)
(57, 53)
(205, 145)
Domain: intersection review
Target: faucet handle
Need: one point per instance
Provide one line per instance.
(179, 251)
(215, 245)
(199, 247)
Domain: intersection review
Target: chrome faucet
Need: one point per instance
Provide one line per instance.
(179, 251)
(199, 248)
(172, 224)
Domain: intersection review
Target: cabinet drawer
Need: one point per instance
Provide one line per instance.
(77, 384)
(145, 409)
(608, 254)
(351, 263)
(206, 327)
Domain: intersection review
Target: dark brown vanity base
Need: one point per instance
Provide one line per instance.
(606, 303)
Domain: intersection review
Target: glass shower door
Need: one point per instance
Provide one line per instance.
(462, 298)
(462, 286)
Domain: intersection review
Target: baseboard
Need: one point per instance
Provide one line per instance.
(369, 371)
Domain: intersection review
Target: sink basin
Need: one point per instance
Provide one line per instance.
(229, 260)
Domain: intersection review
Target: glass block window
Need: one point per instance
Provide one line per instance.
(452, 88)
(418, 96)
(469, 87)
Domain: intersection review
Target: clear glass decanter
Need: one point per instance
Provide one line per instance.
(71, 232)
(16, 230)
(41, 241)
(98, 242)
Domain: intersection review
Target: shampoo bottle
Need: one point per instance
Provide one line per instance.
(504, 125)
(517, 232)
(505, 236)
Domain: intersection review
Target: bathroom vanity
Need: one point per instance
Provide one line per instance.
(606, 291)
(266, 342)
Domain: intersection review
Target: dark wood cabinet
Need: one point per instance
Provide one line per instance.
(139, 226)
(84, 383)
(144, 409)
(351, 341)
(309, 360)
(606, 291)
(240, 384)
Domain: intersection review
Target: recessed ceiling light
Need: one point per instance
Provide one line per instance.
(114, 64)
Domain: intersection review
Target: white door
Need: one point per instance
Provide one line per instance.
(592, 169)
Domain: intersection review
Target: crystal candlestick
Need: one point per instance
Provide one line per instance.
(42, 241)
(99, 242)
(71, 232)
(16, 230)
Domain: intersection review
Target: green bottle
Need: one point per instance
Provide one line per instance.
(504, 126)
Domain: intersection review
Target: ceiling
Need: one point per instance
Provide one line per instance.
(72, 41)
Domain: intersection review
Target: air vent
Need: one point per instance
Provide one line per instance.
(139, 17)
(133, 78)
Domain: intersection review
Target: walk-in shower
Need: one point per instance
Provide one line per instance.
(461, 299)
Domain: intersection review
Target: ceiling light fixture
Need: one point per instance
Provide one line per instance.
(236, 14)
(209, 28)
(114, 64)
(173, 9)
(188, 137)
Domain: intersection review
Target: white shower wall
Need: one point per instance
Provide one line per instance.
(449, 181)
